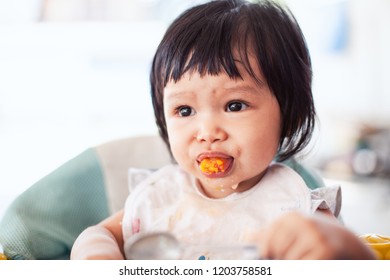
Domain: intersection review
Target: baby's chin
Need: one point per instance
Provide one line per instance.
(232, 183)
(218, 187)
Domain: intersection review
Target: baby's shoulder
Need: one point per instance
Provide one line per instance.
(326, 197)
(282, 174)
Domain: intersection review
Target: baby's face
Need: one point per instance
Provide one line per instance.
(224, 132)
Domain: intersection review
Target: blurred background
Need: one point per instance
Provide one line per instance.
(74, 74)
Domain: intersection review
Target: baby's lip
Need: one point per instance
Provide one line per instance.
(205, 155)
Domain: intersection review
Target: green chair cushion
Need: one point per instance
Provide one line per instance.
(43, 222)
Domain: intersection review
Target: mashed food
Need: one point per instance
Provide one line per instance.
(212, 165)
(379, 243)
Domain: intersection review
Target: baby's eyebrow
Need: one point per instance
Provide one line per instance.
(245, 89)
(175, 93)
(172, 96)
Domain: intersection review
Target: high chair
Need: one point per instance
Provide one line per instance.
(44, 221)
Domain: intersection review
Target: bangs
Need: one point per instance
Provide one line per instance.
(210, 45)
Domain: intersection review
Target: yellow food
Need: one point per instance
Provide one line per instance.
(2, 257)
(212, 165)
(379, 243)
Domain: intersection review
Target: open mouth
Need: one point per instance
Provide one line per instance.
(215, 166)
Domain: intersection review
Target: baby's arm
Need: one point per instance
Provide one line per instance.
(100, 242)
(319, 236)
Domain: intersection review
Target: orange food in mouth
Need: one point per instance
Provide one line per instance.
(212, 165)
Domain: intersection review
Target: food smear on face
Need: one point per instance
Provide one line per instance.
(220, 188)
(213, 165)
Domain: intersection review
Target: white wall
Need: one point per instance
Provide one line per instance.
(350, 84)
(65, 87)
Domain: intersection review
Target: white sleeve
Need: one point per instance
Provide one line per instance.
(327, 198)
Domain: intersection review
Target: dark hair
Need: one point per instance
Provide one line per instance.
(204, 39)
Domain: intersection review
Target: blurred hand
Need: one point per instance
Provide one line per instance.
(303, 237)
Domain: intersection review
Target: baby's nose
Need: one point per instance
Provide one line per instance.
(211, 131)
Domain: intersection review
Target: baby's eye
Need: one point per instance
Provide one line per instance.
(236, 106)
(185, 111)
